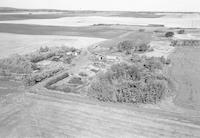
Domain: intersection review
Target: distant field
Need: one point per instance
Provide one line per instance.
(52, 14)
(189, 21)
(19, 16)
(16, 16)
(90, 31)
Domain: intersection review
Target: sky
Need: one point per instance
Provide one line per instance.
(121, 5)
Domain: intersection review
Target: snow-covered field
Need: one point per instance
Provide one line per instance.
(184, 22)
(23, 44)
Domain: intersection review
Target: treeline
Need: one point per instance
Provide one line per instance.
(131, 46)
(17, 64)
(26, 64)
(138, 81)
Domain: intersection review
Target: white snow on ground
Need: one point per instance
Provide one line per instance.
(23, 44)
(160, 48)
(185, 22)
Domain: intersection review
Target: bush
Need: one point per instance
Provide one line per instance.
(165, 61)
(122, 70)
(102, 89)
(129, 46)
(44, 49)
(135, 58)
(82, 74)
(67, 59)
(169, 34)
(154, 91)
(181, 31)
(126, 45)
(142, 47)
(4, 73)
(75, 80)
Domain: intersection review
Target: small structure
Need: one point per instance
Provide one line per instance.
(112, 58)
(69, 53)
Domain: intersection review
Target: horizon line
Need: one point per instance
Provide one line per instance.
(152, 11)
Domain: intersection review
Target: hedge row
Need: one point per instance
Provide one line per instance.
(35, 78)
(55, 80)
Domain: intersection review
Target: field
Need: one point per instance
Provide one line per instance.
(92, 31)
(9, 87)
(121, 78)
(183, 22)
(185, 73)
(15, 14)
